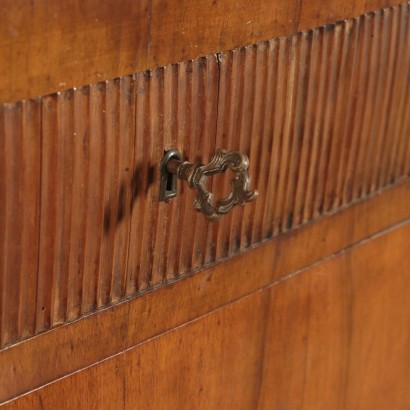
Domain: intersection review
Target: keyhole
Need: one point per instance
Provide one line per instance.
(169, 182)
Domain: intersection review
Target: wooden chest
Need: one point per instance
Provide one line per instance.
(113, 299)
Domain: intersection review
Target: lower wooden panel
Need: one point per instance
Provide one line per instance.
(336, 336)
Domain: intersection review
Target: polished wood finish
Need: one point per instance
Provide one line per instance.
(96, 337)
(52, 46)
(323, 115)
(335, 335)
(110, 299)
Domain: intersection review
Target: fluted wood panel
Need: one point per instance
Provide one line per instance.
(324, 116)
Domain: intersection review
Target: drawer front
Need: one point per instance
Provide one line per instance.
(323, 115)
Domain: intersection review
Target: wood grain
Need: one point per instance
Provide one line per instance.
(322, 114)
(338, 336)
(335, 335)
(48, 46)
(75, 346)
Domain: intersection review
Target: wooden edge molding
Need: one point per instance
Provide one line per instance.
(69, 348)
(47, 47)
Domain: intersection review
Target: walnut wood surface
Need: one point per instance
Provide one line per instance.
(323, 115)
(334, 336)
(66, 349)
(47, 46)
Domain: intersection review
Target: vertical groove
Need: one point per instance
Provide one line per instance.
(31, 150)
(297, 130)
(213, 85)
(363, 78)
(169, 143)
(330, 99)
(145, 243)
(348, 110)
(125, 143)
(198, 153)
(282, 113)
(343, 34)
(139, 184)
(366, 119)
(378, 160)
(264, 148)
(255, 140)
(51, 163)
(181, 115)
(172, 108)
(393, 111)
(3, 226)
(239, 232)
(316, 128)
(397, 168)
(289, 145)
(64, 209)
(188, 148)
(275, 135)
(79, 201)
(205, 117)
(194, 151)
(98, 113)
(128, 200)
(130, 267)
(406, 132)
(223, 102)
(306, 129)
(13, 209)
(229, 131)
(385, 61)
(95, 227)
(111, 186)
(184, 128)
(159, 209)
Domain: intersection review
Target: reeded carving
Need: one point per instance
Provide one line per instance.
(82, 164)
